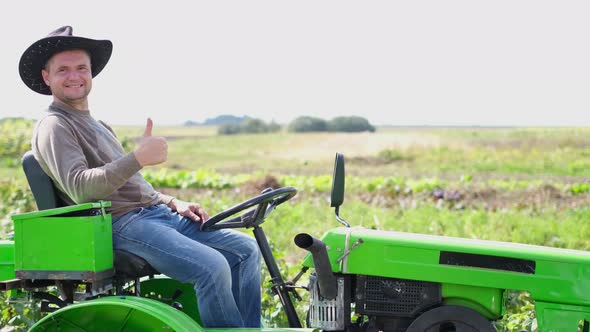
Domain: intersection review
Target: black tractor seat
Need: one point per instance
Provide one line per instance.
(126, 264)
(130, 266)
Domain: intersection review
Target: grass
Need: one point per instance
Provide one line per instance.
(443, 152)
(310, 212)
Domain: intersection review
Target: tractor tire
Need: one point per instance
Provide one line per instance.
(451, 318)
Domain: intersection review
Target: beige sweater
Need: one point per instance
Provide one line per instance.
(87, 163)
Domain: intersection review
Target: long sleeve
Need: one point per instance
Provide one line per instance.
(57, 145)
(87, 162)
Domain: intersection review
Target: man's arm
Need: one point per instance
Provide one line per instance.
(58, 150)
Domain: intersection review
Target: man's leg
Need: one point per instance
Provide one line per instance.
(243, 255)
(152, 234)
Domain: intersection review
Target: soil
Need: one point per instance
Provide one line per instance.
(256, 186)
(488, 198)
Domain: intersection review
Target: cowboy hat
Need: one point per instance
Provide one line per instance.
(36, 56)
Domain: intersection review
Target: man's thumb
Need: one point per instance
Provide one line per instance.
(148, 128)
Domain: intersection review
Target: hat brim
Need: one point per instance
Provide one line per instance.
(35, 57)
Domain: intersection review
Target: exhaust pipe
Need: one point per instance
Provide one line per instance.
(317, 248)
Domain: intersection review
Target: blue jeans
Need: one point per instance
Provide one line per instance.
(224, 265)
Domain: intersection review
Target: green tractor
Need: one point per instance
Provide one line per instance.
(362, 281)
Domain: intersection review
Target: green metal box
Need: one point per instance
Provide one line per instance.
(6, 260)
(68, 243)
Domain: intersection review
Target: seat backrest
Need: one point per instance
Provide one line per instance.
(40, 183)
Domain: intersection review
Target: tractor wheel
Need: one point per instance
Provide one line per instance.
(451, 319)
(117, 313)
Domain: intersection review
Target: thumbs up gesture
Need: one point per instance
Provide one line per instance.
(148, 128)
(151, 150)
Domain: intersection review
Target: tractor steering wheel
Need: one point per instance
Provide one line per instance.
(267, 201)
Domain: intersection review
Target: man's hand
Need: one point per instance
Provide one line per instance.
(151, 150)
(190, 210)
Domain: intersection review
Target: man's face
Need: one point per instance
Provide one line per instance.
(69, 76)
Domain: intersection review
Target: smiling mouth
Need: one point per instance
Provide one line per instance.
(74, 86)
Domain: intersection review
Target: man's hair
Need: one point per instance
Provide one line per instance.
(46, 65)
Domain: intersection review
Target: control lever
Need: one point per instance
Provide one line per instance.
(292, 287)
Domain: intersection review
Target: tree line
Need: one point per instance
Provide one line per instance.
(301, 124)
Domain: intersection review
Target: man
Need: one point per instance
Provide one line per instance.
(87, 163)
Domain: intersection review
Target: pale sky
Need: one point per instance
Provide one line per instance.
(394, 62)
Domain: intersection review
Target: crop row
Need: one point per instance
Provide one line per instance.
(203, 179)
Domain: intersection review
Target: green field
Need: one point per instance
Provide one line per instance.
(500, 175)
(514, 152)
(529, 185)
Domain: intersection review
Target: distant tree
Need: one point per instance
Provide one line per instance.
(253, 126)
(307, 124)
(273, 127)
(350, 124)
(190, 123)
(218, 120)
(248, 126)
(228, 129)
(225, 119)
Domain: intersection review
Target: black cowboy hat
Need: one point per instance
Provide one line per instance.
(37, 55)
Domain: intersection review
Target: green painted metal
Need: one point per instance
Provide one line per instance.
(122, 314)
(487, 301)
(57, 240)
(554, 317)
(416, 256)
(336, 248)
(6, 260)
(163, 289)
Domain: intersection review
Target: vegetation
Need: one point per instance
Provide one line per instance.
(219, 120)
(248, 126)
(304, 124)
(526, 185)
(348, 124)
(15, 139)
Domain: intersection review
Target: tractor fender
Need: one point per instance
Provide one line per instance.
(117, 313)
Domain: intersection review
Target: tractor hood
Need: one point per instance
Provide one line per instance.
(549, 274)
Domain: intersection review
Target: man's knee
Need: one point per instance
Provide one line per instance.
(217, 271)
